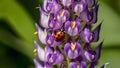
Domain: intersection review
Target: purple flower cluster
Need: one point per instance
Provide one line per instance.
(67, 34)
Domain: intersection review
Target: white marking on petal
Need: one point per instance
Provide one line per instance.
(42, 36)
(70, 31)
(72, 54)
(44, 20)
(78, 8)
(66, 2)
(45, 4)
(76, 54)
(40, 52)
(87, 56)
(75, 31)
(63, 19)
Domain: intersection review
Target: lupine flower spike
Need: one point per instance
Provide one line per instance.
(66, 33)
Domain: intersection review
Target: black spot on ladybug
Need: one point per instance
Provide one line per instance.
(58, 35)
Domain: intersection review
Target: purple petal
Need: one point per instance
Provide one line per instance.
(41, 34)
(37, 26)
(73, 27)
(62, 15)
(49, 39)
(57, 51)
(54, 24)
(72, 31)
(51, 23)
(73, 54)
(66, 48)
(84, 16)
(45, 4)
(78, 47)
(37, 65)
(83, 64)
(47, 52)
(44, 18)
(94, 14)
(78, 25)
(96, 33)
(83, 2)
(49, 7)
(86, 35)
(86, 46)
(66, 3)
(55, 43)
(90, 55)
(48, 49)
(52, 58)
(46, 65)
(40, 51)
(90, 3)
(98, 50)
(58, 26)
(78, 8)
(56, 7)
(73, 65)
(59, 59)
(56, 57)
(73, 51)
(66, 26)
(93, 64)
(80, 58)
(53, 6)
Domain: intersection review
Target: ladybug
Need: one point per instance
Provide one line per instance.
(59, 35)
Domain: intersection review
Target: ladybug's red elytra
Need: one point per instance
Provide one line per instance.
(59, 35)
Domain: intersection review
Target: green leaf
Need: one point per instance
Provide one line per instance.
(110, 27)
(19, 45)
(110, 56)
(18, 19)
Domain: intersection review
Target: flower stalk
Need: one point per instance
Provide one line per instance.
(68, 34)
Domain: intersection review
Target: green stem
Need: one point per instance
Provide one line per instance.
(67, 62)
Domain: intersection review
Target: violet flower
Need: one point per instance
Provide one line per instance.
(92, 55)
(38, 65)
(54, 24)
(41, 34)
(67, 3)
(68, 34)
(79, 6)
(88, 36)
(72, 27)
(47, 55)
(62, 15)
(72, 49)
(77, 64)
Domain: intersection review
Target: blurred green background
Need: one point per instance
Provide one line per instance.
(17, 18)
